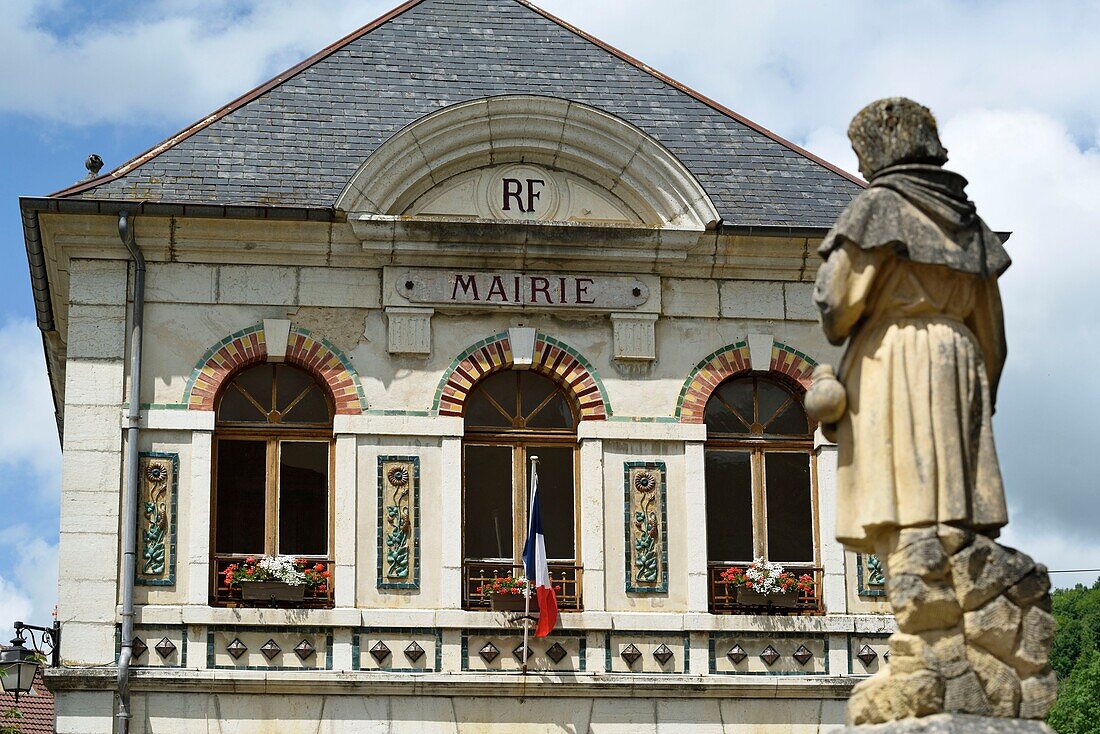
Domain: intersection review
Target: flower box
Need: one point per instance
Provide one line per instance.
(512, 602)
(272, 591)
(778, 600)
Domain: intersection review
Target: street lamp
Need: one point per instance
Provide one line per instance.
(17, 667)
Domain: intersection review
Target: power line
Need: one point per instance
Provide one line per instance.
(1077, 570)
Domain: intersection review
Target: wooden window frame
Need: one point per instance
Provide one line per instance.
(272, 434)
(521, 441)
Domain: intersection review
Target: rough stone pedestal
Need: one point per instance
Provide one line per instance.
(953, 724)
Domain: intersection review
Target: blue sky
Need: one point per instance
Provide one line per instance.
(1013, 84)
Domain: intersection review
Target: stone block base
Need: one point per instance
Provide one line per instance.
(952, 724)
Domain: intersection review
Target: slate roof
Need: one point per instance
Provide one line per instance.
(297, 140)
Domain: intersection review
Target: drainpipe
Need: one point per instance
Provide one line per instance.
(130, 494)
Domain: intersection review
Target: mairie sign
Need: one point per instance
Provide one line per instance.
(439, 287)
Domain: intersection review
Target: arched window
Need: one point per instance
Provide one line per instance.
(510, 417)
(759, 476)
(272, 471)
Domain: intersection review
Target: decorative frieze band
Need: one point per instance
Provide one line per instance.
(645, 505)
(398, 522)
(159, 486)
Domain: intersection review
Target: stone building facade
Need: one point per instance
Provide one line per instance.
(462, 237)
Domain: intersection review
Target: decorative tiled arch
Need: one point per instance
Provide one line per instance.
(551, 357)
(733, 359)
(249, 346)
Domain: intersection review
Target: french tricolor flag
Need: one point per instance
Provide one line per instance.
(534, 562)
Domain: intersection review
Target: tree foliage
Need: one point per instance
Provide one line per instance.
(1075, 658)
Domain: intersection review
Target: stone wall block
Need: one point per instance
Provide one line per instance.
(88, 644)
(257, 285)
(84, 556)
(97, 332)
(689, 297)
(181, 283)
(98, 282)
(964, 694)
(92, 428)
(921, 605)
(985, 569)
(798, 302)
(1037, 695)
(340, 287)
(1036, 638)
(995, 627)
(92, 512)
(1033, 588)
(999, 681)
(752, 299)
(94, 382)
(91, 471)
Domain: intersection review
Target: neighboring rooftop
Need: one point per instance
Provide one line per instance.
(36, 708)
(297, 140)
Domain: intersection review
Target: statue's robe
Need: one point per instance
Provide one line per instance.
(911, 281)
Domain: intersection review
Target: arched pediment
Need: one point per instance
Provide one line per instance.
(521, 157)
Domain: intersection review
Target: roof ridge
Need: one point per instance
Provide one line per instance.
(301, 66)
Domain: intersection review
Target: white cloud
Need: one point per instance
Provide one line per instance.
(28, 438)
(29, 591)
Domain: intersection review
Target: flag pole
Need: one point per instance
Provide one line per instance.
(527, 590)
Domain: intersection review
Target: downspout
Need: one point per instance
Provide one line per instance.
(130, 494)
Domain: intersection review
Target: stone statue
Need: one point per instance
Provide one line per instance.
(910, 282)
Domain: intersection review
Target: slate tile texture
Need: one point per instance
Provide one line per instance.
(299, 143)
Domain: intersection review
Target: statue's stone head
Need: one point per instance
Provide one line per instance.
(892, 131)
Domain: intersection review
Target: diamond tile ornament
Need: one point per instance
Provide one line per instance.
(803, 654)
(236, 648)
(867, 655)
(886, 656)
(662, 654)
(518, 652)
(769, 655)
(379, 652)
(138, 647)
(304, 650)
(165, 647)
(556, 652)
(736, 654)
(414, 652)
(489, 652)
(270, 649)
(630, 654)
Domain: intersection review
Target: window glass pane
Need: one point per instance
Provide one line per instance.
(502, 388)
(480, 412)
(257, 381)
(790, 511)
(235, 407)
(240, 490)
(557, 499)
(303, 498)
(729, 506)
(290, 382)
(792, 422)
(487, 502)
(555, 414)
(533, 389)
(736, 394)
(771, 398)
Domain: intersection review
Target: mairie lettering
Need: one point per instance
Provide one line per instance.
(523, 290)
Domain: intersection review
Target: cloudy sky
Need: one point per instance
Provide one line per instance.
(1014, 85)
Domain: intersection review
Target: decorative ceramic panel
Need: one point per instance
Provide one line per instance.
(645, 505)
(413, 650)
(773, 653)
(156, 646)
(490, 650)
(870, 575)
(241, 647)
(647, 652)
(398, 522)
(158, 480)
(868, 654)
